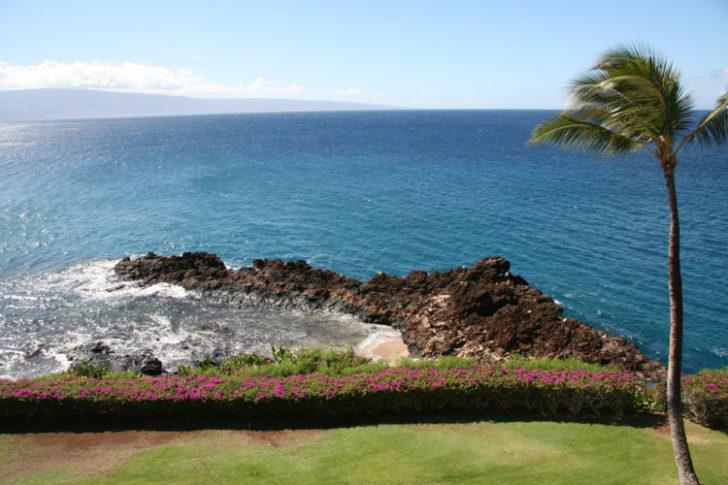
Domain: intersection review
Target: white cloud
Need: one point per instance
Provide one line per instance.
(131, 77)
(261, 87)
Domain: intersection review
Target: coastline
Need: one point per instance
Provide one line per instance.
(427, 169)
(483, 311)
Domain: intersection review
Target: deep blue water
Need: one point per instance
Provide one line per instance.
(356, 193)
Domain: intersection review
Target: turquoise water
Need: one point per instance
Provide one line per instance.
(356, 193)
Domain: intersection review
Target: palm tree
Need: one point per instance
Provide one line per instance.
(632, 99)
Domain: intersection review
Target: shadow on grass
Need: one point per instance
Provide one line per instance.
(95, 425)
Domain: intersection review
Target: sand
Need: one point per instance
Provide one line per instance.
(384, 343)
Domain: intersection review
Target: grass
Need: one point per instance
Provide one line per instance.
(483, 452)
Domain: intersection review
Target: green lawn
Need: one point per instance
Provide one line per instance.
(482, 452)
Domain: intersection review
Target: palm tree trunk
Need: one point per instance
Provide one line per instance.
(674, 368)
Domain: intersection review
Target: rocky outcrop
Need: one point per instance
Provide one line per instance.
(482, 311)
(151, 366)
(102, 355)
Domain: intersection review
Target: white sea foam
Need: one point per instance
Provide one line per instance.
(126, 289)
(97, 280)
(158, 337)
(43, 317)
(86, 304)
(19, 297)
(32, 357)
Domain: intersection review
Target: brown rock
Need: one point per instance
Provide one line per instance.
(480, 311)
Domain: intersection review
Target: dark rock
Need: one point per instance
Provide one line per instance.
(36, 352)
(190, 268)
(101, 355)
(211, 326)
(99, 348)
(96, 353)
(483, 311)
(89, 352)
(151, 366)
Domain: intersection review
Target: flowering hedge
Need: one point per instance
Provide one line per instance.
(705, 399)
(385, 392)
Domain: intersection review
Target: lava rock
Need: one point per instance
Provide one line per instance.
(151, 366)
(483, 311)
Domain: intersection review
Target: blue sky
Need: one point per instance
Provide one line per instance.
(419, 54)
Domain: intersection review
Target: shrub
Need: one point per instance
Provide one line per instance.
(86, 368)
(392, 391)
(714, 372)
(236, 362)
(705, 398)
(184, 370)
(281, 354)
(332, 362)
(443, 362)
(207, 363)
(453, 362)
(329, 361)
(367, 367)
(306, 361)
(569, 363)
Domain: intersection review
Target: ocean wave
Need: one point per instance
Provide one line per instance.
(96, 279)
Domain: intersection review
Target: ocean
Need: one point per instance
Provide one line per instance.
(354, 192)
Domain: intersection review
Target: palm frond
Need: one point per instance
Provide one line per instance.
(635, 94)
(583, 134)
(713, 128)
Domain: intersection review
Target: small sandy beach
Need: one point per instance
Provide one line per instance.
(383, 343)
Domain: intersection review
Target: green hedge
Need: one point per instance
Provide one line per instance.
(389, 392)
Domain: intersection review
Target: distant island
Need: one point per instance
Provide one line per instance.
(57, 104)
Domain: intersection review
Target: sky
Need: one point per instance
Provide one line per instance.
(447, 54)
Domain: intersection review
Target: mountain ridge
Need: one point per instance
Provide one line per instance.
(59, 104)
